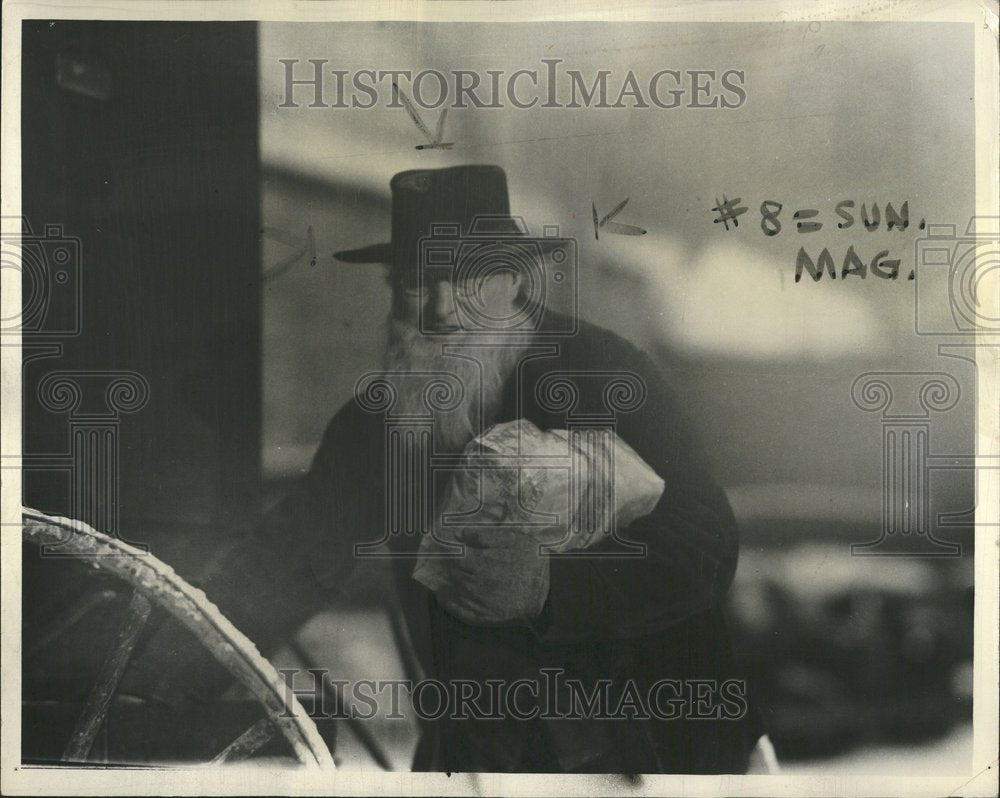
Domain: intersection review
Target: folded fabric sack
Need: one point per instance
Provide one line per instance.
(519, 494)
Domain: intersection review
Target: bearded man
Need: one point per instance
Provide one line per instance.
(473, 343)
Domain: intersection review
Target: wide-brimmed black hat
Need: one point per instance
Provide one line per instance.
(457, 201)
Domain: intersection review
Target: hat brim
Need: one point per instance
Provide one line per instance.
(375, 253)
(382, 253)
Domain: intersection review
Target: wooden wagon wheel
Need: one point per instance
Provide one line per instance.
(154, 583)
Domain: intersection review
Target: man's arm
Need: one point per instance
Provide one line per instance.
(280, 575)
(690, 537)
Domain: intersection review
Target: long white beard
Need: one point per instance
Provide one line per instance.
(480, 362)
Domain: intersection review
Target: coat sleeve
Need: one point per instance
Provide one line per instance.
(690, 539)
(274, 579)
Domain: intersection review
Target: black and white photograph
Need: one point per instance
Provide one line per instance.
(500, 398)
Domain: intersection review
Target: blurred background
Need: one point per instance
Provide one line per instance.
(208, 212)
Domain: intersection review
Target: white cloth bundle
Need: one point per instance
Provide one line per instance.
(519, 494)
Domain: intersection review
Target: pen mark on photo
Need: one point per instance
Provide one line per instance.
(617, 228)
(434, 141)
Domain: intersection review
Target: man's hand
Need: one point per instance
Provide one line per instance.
(501, 579)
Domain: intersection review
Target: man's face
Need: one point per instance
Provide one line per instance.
(481, 370)
(441, 305)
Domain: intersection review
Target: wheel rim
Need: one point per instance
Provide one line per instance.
(156, 583)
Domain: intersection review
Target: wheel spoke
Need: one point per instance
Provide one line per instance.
(103, 691)
(67, 621)
(247, 744)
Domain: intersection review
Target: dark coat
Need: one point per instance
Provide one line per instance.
(643, 619)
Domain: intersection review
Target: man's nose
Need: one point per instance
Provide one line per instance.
(442, 304)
